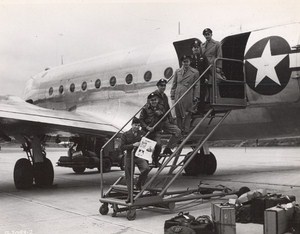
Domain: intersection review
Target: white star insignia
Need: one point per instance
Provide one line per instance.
(266, 65)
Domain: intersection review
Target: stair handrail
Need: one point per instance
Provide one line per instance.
(179, 99)
(113, 137)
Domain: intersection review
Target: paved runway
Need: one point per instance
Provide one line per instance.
(71, 205)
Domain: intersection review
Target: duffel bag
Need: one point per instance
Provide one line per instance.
(203, 225)
(182, 219)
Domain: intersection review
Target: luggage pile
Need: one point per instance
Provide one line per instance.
(184, 223)
(222, 222)
(277, 212)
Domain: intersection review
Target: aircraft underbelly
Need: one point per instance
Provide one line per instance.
(260, 122)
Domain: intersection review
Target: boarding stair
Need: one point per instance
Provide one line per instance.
(157, 191)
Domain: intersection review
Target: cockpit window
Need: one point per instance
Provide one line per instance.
(147, 76)
(61, 89)
(72, 87)
(97, 83)
(50, 91)
(84, 85)
(129, 79)
(168, 72)
(113, 81)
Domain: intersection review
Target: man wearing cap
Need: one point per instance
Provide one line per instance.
(130, 140)
(184, 78)
(199, 62)
(149, 116)
(167, 126)
(212, 50)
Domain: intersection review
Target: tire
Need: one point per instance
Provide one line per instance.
(131, 214)
(104, 209)
(23, 174)
(210, 164)
(43, 173)
(106, 165)
(78, 170)
(195, 167)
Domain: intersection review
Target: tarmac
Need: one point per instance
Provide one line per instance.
(72, 204)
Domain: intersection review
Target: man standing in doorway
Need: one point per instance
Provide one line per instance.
(211, 49)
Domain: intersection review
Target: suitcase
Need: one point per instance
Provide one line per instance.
(258, 207)
(277, 219)
(243, 214)
(223, 216)
(295, 223)
(182, 219)
(260, 204)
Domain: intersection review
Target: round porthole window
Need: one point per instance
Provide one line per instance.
(50, 91)
(129, 79)
(168, 72)
(148, 76)
(61, 89)
(84, 85)
(113, 81)
(97, 83)
(72, 87)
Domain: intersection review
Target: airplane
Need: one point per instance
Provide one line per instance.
(87, 102)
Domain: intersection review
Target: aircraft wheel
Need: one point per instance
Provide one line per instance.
(78, 170)
(210, 164)
(131, 214)
(195, 167)
(43, 173)
(104, 209)
(106, 165)
(23, 174)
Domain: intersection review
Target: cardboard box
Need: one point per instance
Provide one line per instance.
(277, 219)
(223, 216)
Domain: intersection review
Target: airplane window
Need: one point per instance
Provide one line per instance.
(113, 81)
(147, 76)
(72, 87)
(168, 72)
(129, 79)
(97, 83)
(83, 85)
(50, 91)
(61, 89)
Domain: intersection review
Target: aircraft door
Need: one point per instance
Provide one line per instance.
(184, 48)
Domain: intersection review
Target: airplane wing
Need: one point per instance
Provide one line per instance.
(19, 118)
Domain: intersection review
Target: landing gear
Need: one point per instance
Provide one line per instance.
(201, 164)
(43, 173)
(210, 164)
(36, 168)
(23, 174)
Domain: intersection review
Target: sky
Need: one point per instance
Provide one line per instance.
(35, 35)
